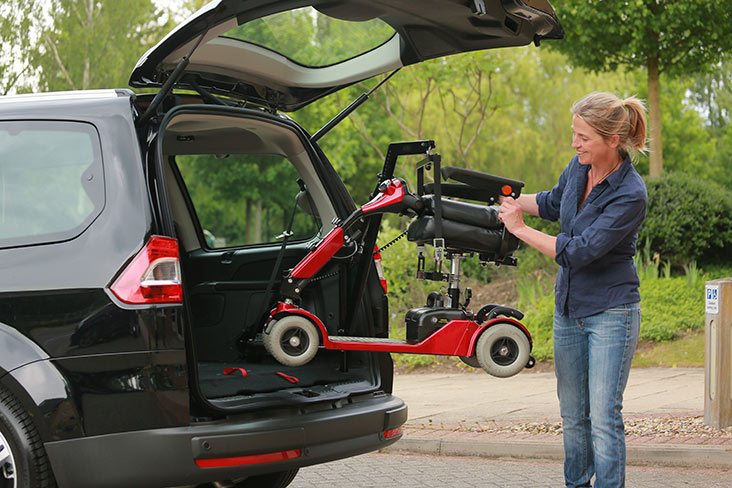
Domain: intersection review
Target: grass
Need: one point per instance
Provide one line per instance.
(684, 352)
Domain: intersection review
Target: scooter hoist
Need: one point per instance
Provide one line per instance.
(492, 339)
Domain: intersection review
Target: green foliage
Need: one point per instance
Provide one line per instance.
(688, 219)
(244, 199)
(539, 319)
(94, 44)
(722, 160)
(16, 25)
(685, 37)
(669, 307)
(646, 265)
(313, 39)
(355, 147)
(663, 36)
(687, 145)
(712, 92)
(400, 267)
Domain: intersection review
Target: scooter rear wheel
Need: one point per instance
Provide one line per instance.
(502, 350)
(292, 340)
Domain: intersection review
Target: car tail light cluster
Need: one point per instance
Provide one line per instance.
(379, 268)
(391, 433)
(153, 276)
(247, 460)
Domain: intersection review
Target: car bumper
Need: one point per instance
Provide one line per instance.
(226, 449)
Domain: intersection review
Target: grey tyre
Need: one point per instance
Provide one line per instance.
(471, 361)
(502, 350)
(23, 460)
(292, 340)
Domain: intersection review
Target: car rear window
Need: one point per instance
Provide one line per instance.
(245, 199)
(311, 38)
(51, 181)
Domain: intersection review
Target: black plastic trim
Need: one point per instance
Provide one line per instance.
(166, 457)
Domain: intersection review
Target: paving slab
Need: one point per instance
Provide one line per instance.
(451, 414)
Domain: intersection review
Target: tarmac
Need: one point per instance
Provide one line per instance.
(474, 414)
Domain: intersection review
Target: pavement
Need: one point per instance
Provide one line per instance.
(474, 414)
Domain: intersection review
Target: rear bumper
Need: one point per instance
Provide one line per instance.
(167, 457)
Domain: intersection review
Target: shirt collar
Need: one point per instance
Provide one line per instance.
(617, 177)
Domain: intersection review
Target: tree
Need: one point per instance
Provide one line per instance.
(663, 36)
(15, 26)
(712, 92)
(95, 43)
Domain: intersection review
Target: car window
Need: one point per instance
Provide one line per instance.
(243, 199)
(311, 38)
(51, 180)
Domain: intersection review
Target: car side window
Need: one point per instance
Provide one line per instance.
(244, 199)
(51, 181)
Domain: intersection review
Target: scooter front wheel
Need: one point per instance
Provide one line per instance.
(502, 350)
(292, 340)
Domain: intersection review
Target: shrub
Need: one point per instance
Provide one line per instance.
(669, 307)
(688, 219)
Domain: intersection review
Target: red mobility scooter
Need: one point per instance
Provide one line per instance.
(492, 339)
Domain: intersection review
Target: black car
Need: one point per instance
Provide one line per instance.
(138, 259)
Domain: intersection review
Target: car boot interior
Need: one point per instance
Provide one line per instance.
(234, 183)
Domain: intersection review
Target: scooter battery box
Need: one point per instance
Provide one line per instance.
(422, 322)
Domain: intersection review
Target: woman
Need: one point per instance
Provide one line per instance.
(601, 202)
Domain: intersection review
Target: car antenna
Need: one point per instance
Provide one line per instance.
(347, 111)
(172, 80)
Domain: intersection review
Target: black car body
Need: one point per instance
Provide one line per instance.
(122, 317)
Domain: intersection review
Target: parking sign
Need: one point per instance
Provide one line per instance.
(712, 301)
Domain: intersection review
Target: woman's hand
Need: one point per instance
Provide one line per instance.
(511, 215)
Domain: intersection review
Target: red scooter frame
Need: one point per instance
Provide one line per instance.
(499, 344)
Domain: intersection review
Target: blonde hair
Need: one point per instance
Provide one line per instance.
(609, 116)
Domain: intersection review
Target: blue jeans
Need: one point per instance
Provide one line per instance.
(592, 357)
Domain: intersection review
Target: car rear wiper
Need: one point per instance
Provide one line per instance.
(347, 111)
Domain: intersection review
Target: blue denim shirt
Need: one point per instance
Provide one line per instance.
(597, 243)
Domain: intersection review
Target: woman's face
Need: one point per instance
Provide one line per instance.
(591, 147)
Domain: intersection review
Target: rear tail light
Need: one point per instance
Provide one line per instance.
(247, 460)
(153, 276)
(388, 434)
(379, 268)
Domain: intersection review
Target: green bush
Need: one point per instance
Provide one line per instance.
(688, 219)
(670, 306)
(400, 268)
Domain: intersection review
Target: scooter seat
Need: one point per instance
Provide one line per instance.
(462, 237)
(468, 213)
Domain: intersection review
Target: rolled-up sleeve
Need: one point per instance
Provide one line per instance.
(549, 202)
(616, 221)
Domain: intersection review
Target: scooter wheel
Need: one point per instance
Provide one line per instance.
(502, 350)
(471, 361)
(292, 340)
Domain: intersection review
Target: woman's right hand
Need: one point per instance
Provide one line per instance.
(511, 214)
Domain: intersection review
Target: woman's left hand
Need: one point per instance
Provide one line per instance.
(511, 215)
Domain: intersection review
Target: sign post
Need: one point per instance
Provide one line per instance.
(718, 361)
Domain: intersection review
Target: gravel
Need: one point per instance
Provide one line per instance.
(634, 427)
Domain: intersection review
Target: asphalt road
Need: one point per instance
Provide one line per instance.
(412, 471)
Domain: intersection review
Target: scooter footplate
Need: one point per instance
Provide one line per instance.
(376, 340)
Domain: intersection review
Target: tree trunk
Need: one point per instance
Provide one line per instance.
(258, 223)
(248, 222)
(654, 122)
